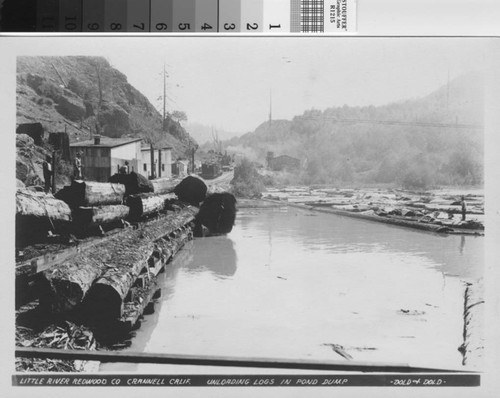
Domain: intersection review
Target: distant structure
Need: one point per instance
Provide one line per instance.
(283, 162)
(180, 168)
(162, 163)
(103, 156)
(210, 170)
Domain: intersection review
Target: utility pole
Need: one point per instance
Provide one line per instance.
(164, 95)
(270, 107)
(153, 171)
(53, 187)
(448, 94)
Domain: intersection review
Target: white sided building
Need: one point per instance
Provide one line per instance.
(162, 164)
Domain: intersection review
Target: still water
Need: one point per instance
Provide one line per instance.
(289, 283)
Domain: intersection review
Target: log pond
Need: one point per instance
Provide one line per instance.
(292, 283)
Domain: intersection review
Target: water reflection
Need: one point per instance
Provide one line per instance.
(307, 282)
(215, 254)
(343, 235)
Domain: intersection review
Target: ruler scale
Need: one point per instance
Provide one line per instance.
(178, 16)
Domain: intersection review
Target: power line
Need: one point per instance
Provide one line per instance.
(397, 123)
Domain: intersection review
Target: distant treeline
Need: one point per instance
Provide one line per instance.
(438, 141)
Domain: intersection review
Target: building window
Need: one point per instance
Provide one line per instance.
(163, 167)
(145, 165)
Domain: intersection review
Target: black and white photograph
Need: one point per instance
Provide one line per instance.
(242, 206)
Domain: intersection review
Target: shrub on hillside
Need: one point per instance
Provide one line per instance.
(247, 182)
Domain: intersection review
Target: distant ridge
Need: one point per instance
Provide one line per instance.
(434, 140)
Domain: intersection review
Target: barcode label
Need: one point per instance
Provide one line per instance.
(312, 16)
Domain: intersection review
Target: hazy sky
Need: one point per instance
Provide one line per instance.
(226, 82)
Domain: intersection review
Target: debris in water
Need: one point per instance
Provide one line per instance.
(280, 277)
(412, 312)
(339, 350)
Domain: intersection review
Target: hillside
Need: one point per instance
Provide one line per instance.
(203, 133)
(86, 95)
(415, 143)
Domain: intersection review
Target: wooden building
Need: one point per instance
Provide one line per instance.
(162, 162)
(180, 168)
(103, 156)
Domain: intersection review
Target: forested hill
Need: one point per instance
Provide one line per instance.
(83, 94)
(434, 140)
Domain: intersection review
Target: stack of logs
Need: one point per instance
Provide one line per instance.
(111, 280)
(83, 208)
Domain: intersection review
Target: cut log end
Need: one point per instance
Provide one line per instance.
(103, 303)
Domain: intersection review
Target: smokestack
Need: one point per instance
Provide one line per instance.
(97, 139)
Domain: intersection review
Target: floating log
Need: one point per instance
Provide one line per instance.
(91, 193)
(163, 185)
(92, 216)
(37, 213)
(65, 286)
(145, 204)
(386, 220)
(191, 190)
(217, 213)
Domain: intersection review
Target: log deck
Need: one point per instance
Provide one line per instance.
(115, 262)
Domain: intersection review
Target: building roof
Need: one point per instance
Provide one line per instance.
(148, 148)
(106, 142)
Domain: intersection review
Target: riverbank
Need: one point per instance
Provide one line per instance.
(434, 211)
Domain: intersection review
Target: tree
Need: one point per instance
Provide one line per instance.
(179, 116)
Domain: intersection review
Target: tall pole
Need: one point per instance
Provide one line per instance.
(164, 95)
(192, 159)
(153, 171)
(270, 107)
(448, 92)
(53, 187)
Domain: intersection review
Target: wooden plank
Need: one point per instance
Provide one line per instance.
(206, 360)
